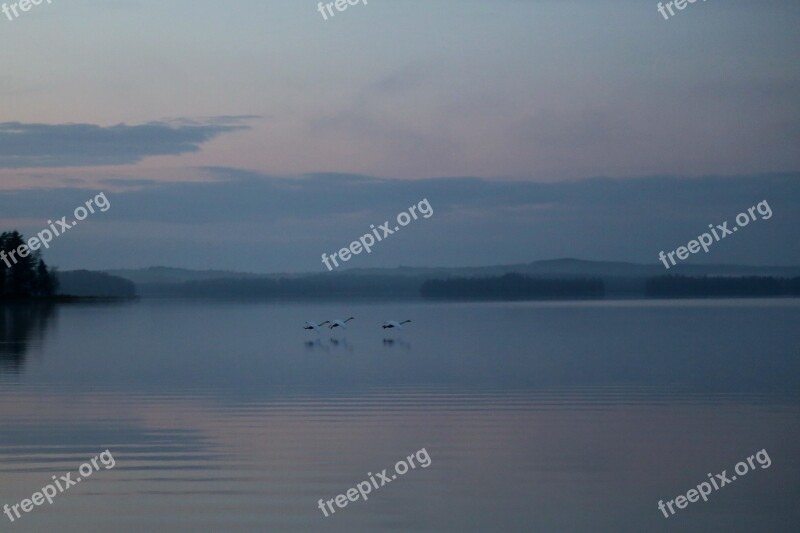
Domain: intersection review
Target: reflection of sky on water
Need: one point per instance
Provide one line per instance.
(258, 349)
(556, 460)
(576, 417)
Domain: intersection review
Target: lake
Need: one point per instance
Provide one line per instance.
(536, 416)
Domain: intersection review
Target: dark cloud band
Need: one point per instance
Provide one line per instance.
(73, 145)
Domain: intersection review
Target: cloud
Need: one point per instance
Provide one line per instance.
(239, 196)
(245, 220)
(137, 183)
(71, 145)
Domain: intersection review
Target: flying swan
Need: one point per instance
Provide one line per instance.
(340, 323)
(392, 324)
(314, 325)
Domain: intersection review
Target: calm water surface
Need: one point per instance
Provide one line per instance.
(227, 416)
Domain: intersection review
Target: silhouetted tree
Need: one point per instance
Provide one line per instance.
(23, 277)
(46, 280)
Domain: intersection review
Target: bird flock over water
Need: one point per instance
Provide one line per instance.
(342, 324)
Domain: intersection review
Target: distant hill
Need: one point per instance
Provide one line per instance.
(160, 274)
(619, 279)
(99, 284)
(551, 267)
(316, 286)
(582, 268)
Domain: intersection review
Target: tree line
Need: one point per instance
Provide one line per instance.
(753, 286)
(24, 277)
(513, 287)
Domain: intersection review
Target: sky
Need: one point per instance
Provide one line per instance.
(256, 135)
